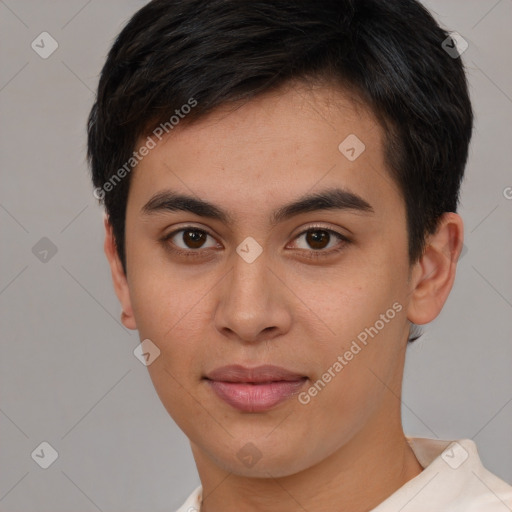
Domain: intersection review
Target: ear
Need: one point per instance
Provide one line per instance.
(433, 275)
(118, 277)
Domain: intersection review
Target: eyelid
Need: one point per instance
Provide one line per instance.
(343, 240)
(321, 227)
(170, 235)
(188, 227)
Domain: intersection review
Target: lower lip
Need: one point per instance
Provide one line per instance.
(256, 397)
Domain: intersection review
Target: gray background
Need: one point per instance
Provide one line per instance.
(68, 374)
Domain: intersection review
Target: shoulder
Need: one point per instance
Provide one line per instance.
(453, 480)
(193, 502)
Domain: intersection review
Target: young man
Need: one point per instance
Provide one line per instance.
(280, 181)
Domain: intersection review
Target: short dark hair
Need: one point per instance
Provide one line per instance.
(217, 52)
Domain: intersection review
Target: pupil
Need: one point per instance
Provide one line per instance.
(315, 239)
(195, 238)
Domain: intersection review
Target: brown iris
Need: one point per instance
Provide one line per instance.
(194, 239)
(316, 238)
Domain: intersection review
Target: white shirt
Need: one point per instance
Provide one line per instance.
(453, 480)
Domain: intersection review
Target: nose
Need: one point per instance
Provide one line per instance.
(252, 302)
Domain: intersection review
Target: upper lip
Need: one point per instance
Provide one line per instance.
(258, 374)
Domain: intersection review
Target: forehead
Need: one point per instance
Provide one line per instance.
(275, 147)
(295, 116)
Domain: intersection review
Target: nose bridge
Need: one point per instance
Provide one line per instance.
(249, 302)
(249, 281)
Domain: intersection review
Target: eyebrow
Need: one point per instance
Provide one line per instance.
(330, 199)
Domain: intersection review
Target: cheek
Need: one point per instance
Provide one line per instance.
(172, 319)
(365, 315)
(355, 373)
(167, 315)
(164, 296)
(348, 300)
(162, 311)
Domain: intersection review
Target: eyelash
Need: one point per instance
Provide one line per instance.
(312, 254)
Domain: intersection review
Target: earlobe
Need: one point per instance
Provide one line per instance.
(434, 274)
(118, 277)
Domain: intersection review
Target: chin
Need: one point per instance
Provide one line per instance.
(262, 458)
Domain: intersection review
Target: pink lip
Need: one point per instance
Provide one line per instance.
(254, 389)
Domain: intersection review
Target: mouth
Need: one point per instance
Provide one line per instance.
(254, 389)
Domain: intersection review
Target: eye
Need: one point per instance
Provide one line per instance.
(317, 241)
(188, 239)
(320, 241)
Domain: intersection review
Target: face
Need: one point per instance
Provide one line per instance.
(320, 289)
